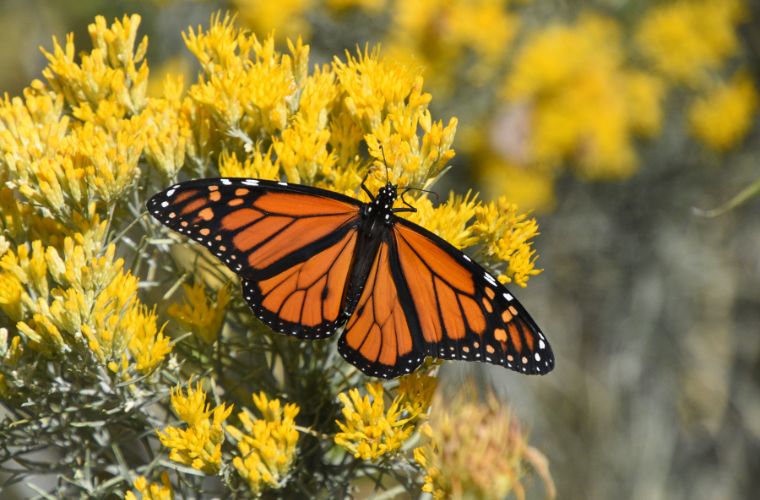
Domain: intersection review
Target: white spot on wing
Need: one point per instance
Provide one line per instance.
(164, 204)
(170, 192)
(282, 183)
(226, 182)
(467, 258)
(509, 297)
(541, 344)
(251, 182)
(490, 279)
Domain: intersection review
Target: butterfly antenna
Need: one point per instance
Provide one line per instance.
(428, 191)
(385, 162)
(365, 188)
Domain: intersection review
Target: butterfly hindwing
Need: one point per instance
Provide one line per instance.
(305, 299)
(463, 312)
(291, 245)
(381, 337)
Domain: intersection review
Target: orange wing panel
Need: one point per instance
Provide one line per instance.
(377, 335)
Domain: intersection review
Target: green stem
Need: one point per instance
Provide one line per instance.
(749, 192)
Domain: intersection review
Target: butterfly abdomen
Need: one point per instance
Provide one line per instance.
(374, 228)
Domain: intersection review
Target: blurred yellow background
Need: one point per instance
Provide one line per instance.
(617, 122)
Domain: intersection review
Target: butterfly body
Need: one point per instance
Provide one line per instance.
(313, 262)
(376, 219)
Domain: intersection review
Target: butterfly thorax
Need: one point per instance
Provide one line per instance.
(379, 212)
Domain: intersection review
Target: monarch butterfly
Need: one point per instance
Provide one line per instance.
(312, 261)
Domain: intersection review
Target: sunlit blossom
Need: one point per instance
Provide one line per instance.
(151, 491)
(371, 430)
(721, 118)
(266, 445)
(199, 443)
(503, 458)
(201, 313)
(686, 39)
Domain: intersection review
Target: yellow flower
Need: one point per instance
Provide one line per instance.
(449, 220)
(168, 130)
(97, 160)
(506, 235)
(721, 118)
(645, 95)
(302, 152)
(258, 166)
(151, 491)
(527, 186)
(687, 39)
(201, 313)
(453, 38)
(114, 70)
(370, 431)
(246, 84)
(375, 86)
(286, 18)
(148, 344)
(30, 128)
(25, 278)
(416, 390)
(199, 445)
(10, 296)
(577, 90)
(21, 222)
(503, 457)
(82, 299)
(267, 447)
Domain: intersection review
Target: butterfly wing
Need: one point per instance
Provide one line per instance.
(291, 245)
(462, 311)
(382, 337)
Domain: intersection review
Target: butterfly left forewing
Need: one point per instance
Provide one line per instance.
(291, 245)
(463, 312)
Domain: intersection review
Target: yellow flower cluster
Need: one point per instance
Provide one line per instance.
(685, 40)
(167, 128)
(66, 162)
(200, 313)
(370, 431)
(80, 299)
(440, 34)
(497, 469)
(310, 126)
(151, 491)
(451, 220)
(267, 448)
(199, 445)
(722, 117)
(286, 18)
(257, 166)
(585, 105)
(506, 235)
